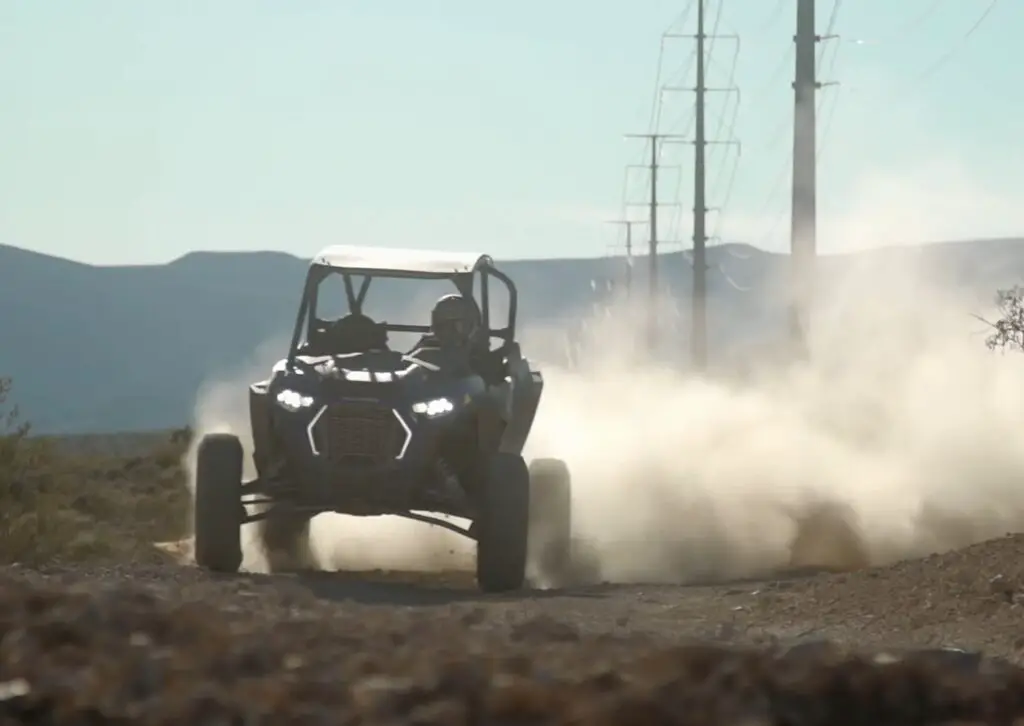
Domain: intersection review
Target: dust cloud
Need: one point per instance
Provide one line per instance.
(896, 438)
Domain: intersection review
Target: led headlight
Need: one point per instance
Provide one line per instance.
(434, 408)
(293, 400)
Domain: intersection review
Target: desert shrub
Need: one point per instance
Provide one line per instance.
(1008, 329)
(32, 525)
(57, 507)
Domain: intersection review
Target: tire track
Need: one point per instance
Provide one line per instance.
(967, 598)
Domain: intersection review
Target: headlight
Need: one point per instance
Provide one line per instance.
(293, 400)
(434, 408)
(369, 376)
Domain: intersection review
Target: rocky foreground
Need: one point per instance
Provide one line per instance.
(170, 645)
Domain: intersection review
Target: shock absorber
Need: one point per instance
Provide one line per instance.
(448, 488)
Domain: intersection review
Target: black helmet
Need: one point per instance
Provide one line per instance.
(455, 320)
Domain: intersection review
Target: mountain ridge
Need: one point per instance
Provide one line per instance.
(97, 348)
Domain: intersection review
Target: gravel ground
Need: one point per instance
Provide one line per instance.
(173, 645)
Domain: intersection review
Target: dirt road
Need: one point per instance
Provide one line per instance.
(175, 645)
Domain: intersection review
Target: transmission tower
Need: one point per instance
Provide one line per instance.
(653, 205)
(699, 322)
(628, 277)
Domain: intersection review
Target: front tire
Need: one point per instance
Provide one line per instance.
(551, 521)
(218, 510)
(503, 524)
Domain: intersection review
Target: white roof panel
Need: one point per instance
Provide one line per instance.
(391, 259)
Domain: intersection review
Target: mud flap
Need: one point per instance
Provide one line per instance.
(260, 426)
(525, 401)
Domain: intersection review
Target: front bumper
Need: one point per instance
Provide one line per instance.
(359, 456)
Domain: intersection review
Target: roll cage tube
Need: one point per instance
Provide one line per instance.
(462, 281)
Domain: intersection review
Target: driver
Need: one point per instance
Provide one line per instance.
(454, 322)
(457, 333)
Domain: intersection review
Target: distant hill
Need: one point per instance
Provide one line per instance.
(120, 348)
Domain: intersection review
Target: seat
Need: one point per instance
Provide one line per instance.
(353, 333)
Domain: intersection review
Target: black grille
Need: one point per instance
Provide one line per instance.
(360, 433)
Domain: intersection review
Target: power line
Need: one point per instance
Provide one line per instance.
(833, 17)
(900, 32)
(928, 72)
(773, 16)
(690, 115)
(731, 135)
(775, 137)
(656, 98)
(778, 70)
(731, 179)
(677, 220)
(683, 74)
(940, 62)
(831, 113)
(731, 83)
(918, 19)
(730, 87)
(656, 102)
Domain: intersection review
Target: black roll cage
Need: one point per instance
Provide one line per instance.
(463, 282)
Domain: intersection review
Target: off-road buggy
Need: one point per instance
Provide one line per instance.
(345, 424)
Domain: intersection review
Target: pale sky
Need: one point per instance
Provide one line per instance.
(133, 131)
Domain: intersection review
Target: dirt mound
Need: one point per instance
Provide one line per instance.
(130, 655)
(983, 583)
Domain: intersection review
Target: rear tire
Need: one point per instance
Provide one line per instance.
(218, 510)
(551, 521)
(503, 523)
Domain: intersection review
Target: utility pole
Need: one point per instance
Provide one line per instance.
(628, 224)
(652, 283)
(699, 310)
(698, 305)
(804, 211)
